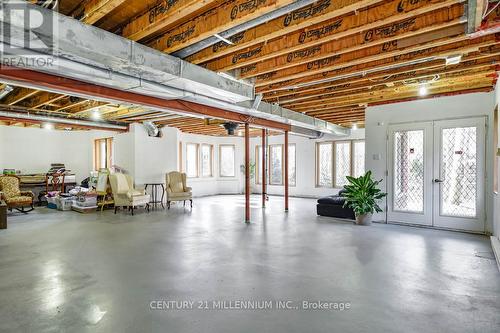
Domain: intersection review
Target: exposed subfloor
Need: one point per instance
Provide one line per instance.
(68, 272)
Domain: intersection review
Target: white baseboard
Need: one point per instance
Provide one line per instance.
(495, 244)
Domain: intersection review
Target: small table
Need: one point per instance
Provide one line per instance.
(154, 193)
(3, 215)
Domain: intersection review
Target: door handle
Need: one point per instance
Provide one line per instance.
(438, 180)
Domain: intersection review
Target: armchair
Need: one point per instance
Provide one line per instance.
(13, 196)
(124, 193)
(177, 189)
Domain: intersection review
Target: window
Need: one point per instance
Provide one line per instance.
(358, 158)
(337, 160)
(291, 165)
(206, 160)
(258, 165)
(276, 164)
(103, 153)
(192, 160)
(179, 166)
(324, 169)
(226, 160)
(342, 163)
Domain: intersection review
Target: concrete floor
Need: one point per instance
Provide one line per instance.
(67, 272)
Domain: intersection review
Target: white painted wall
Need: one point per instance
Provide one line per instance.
(32, 150)
(154, 156)
(305, 165)
(379, 117)
(496, 196)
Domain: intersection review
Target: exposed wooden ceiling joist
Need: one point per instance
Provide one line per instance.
(163, 16)
(214, 21)
(292, 26)
(94, 10)
(367, 26)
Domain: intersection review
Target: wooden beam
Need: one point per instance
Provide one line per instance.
(24, 76)
(263, 166)
(164, 15)
(18, 95)
(42, 99)
(383, 85)
(444, 46)
(388, 94)
(247, 173)
(214, 21)
(94, 10)
(366, 25)
(349, 45)
(299, 20)
(384, 61)
(405, 73)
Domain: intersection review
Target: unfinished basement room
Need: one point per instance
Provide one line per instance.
(249, 166)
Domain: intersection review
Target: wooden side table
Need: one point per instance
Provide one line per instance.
(3, 215)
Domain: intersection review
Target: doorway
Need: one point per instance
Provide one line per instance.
(436, 174)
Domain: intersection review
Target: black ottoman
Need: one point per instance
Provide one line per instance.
(332, 206)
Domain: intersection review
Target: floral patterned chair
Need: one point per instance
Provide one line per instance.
(13, 196)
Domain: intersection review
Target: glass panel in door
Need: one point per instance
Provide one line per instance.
(409, 190)
(409, 171)
(459, 172)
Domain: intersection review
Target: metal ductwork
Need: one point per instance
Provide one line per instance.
(187, 51)
(66, 121)
(89, 54)
(151, 128)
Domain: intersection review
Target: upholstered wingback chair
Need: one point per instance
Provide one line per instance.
(13, 196)
(124, 193)
(177, 189)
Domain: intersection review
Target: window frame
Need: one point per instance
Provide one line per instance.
(197, 162)
(220, 160)
(211, 156)
(258, 166)
(270, 157)
(335, 144)
(295, 165)
(333, 170)
(318, 145)
(109, 143)
(353, 154)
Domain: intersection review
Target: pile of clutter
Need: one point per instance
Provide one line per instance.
(79, 199)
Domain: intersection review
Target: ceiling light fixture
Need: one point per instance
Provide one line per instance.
(453, 59)
(96, 115)
(422, 91)
(48, 126)
(354, 126)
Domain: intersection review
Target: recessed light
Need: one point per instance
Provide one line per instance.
(48, 126)
(354, 126)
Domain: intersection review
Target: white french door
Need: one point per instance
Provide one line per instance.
(436, 174)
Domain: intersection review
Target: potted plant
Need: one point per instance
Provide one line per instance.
(362, 195)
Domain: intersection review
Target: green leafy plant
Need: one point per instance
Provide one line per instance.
(251, 168)
(362, 194)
